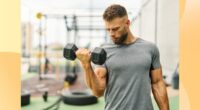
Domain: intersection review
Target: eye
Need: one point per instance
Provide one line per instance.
(115, 29)
(108, 30)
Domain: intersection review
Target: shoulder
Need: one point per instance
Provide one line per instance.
(145, 42)
(147, 45)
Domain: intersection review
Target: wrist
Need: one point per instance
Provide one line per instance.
(85, 64)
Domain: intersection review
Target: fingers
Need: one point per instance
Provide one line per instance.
(82, 51)
(83, 55)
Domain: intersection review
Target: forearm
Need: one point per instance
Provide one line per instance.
(160, 95)
(92, 81)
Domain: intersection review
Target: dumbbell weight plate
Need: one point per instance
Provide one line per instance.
(70, 51)
(98, 56)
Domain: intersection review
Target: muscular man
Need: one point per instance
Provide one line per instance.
(131, 71)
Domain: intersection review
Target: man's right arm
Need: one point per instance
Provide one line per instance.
(95, 79)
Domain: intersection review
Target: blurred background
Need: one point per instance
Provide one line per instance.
(48, 25)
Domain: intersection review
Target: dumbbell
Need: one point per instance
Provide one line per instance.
(98, 55)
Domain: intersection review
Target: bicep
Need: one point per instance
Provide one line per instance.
(101, 74)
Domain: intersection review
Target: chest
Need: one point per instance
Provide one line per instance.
(128, 59)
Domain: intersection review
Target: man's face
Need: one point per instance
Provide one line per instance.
(117, 29)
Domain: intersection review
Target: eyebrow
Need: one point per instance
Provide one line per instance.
(114, 28)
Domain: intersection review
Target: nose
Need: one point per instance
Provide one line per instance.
(112, 34)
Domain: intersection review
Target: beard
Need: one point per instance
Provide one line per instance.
(121, 39)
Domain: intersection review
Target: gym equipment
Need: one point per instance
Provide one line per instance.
(45, 96)
(71, 78)
(25, 97)
(57, 104)
(175, 78)
(74, 98)
(78, 97)
(98, 54)
(70, 51)
(39, 15)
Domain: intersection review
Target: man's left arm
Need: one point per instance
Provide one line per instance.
(159, 89)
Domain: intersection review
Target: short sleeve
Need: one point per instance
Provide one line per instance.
(97, 66)
(155, 58)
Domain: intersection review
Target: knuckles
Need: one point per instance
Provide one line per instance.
(82, 52)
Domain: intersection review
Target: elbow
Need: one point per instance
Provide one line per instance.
(98, 93)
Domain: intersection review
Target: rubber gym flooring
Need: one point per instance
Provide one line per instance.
(37, 103)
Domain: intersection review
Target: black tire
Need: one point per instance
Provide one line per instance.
(25, 98)
(78, 97)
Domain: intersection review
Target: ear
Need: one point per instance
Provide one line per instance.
(128, 22)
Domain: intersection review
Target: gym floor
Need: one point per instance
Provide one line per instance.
(37, 102)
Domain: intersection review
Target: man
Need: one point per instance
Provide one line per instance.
(131, 70)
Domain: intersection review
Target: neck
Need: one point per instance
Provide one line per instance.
(130, 38)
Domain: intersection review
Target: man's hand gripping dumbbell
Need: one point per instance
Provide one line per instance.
(98, 55)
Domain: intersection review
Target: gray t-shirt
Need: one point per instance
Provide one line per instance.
(128, 80)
